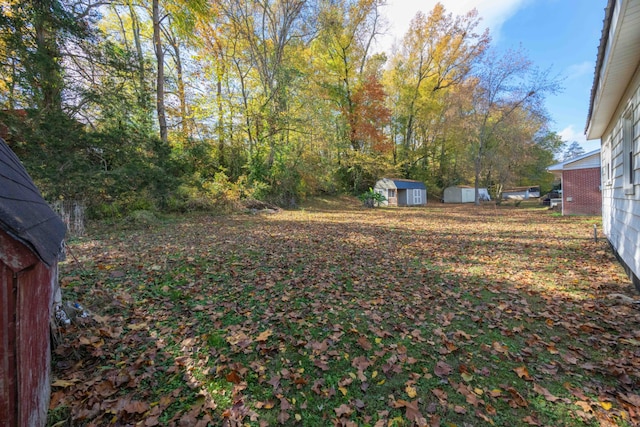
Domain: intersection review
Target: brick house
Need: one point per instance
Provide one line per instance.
(580, 178)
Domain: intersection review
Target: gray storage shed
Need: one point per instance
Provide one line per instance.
(402, 192)
(464, 194)
(459, 194)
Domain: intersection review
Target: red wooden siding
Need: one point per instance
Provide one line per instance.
(581, 192)
(26, 291)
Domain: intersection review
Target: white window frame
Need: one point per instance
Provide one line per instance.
(628, 152)
(606, 156)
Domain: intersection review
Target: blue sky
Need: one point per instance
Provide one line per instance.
(559, 34)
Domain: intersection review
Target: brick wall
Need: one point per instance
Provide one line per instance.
(581, 192)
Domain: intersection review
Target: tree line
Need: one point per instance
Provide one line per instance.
(193, 104)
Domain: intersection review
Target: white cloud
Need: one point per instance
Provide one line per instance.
(493, 13)
(578, 70)
(569, 134)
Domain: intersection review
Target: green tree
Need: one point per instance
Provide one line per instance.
(502, 86)
(435, 56)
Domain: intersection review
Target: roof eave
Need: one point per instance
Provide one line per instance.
(617, 61)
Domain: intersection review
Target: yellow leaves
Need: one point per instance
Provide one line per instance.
(467, 377)
(63, 383)
(496, 392)
(263, 336)
(269, 404)
(606, 405)
(343, 390)
(138, 326)
(411, 391)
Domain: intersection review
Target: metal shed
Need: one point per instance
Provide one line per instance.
(464, 194)
(31, 241)
(459, 194)
(402, 192)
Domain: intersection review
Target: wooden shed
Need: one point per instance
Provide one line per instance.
(402, 192)
(31, 242)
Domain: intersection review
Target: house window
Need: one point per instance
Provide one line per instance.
(417, 197)
(392, 193)
(606, 155)
(628, 137)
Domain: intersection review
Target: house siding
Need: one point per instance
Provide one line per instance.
(620, 206)
(581, 192)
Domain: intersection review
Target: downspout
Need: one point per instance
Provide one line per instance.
(562, 189)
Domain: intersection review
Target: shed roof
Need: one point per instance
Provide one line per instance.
(405, 184)
(24, 214)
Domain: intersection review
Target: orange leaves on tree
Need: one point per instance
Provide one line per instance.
(369, 116)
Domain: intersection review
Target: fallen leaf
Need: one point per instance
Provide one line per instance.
(343, 409)
(63, 383)
(442, 369)
(263, 336)
(543, 391)
(523, 373)
(411, 391)
(606, 405)
(137, 326)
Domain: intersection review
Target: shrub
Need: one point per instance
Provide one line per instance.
(371, 199)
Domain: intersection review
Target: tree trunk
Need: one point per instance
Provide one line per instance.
(157, 44)
(185, 125)
(48, 73)
(143, 97)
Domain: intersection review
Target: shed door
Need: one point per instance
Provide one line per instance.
(417, 196)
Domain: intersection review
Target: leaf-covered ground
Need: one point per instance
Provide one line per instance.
(338, 315)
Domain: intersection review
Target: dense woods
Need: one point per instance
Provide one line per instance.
(182, 105)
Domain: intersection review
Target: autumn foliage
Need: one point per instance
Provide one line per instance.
(341, 315)
(369, 117)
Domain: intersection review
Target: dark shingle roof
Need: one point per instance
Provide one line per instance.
(24, 214)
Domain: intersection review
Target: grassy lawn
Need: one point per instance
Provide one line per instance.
(340, 315)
